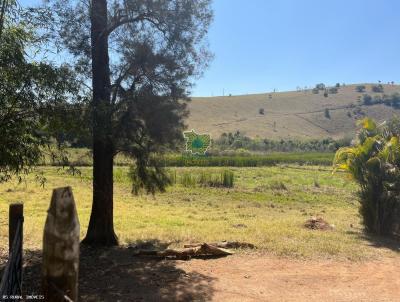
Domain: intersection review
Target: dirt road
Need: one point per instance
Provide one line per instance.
(116, 275)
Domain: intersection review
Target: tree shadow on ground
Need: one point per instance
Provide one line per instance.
(116, 274)
(378, 241)
(382, 242)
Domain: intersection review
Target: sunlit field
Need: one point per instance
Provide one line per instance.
(267, 206)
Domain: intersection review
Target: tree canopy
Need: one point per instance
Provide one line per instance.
(33, 96)
(141, 58)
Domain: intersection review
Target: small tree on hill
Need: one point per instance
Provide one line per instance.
(367, 100)
(333, 90)
(377, 88)
(360, 88)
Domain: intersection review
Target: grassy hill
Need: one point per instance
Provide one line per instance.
(293, 114)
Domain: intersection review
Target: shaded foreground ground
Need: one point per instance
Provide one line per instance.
(117, 275)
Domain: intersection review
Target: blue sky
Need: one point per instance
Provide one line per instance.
(261, 45)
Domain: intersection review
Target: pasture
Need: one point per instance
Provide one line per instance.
(267, 206)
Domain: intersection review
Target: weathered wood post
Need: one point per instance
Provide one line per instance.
(11, 282)
(15, 214)
(61, 248)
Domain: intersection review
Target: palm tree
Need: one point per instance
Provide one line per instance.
(374, 162)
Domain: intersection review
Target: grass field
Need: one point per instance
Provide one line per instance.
(267, 207)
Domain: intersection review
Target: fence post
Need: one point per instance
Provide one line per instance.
(61, 248)
(11, 281)
(16, 213)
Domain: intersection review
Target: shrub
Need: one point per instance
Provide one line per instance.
(333, 90)
(374, 162)
(327, 113)
(326, 94)
(392, 100)
(360, 88)
(337, 85)
(367, 100)
(377, 88)
(228, 179)
(187, 180)
(224, 179)
(320, 86)
(261, 111)
(278, 186)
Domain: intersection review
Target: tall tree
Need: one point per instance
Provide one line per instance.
(101, 226)
(141, 57)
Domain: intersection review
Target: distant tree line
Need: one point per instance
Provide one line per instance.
(392, 100)
(239, 142)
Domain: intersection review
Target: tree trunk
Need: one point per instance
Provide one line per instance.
(101, 225)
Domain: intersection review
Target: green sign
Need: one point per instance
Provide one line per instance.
(197, 143)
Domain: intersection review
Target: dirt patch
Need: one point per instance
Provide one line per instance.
(318, 223)
(115, 275)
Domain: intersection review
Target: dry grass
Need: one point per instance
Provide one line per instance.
(267, 207)
(296, 114)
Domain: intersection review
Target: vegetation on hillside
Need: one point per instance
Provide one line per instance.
(392, 100)
(234, 141)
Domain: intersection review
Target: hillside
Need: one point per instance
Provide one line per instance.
(287, 114)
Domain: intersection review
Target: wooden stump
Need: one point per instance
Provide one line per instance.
(61, 248)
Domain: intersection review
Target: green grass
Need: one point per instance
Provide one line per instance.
(224, 178)
(82, 157)
(267, 207)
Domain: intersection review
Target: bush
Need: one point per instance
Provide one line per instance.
(374, 162)
(327, 113)
(261, 111)
(224, 179)
(320, 86)
(367, 100)
(325, 94)
(392, 100)
(377, 88)
(333, 90)
(228, 179)
(337, 85)
(187, 180)
(360, 88)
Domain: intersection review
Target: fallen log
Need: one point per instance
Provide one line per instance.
(203, 250)
(225, 245)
